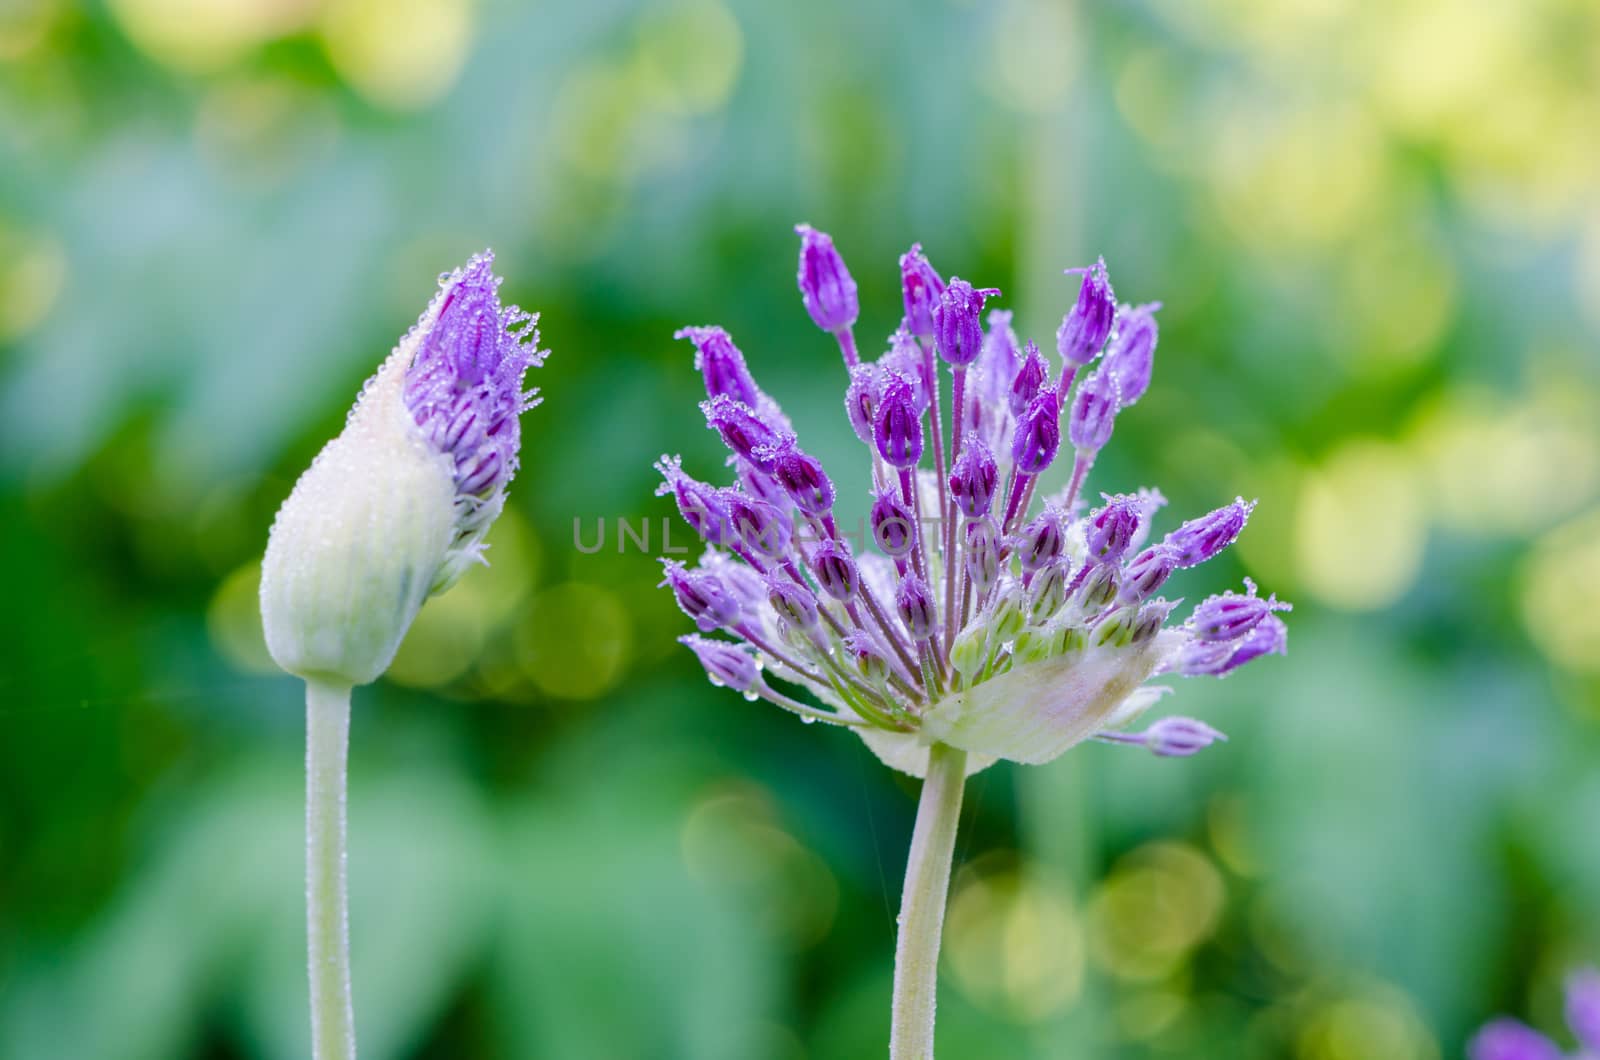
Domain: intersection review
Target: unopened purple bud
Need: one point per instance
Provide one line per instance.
(921, 286)
(1031, 375)
(1087, 324)
(1048, 591)
(894, 528)
(861, 400)
(981, 557)
(1200, 539)
(1132, 354)
(743, 430)
(1001, 354)
(1111, 528)
(1037, 438)
(1147, 572)
(835, 570)
(760, 527)
(1180, 737)
(722, 365)
(1507, 1039)
(1229, 616)
(704, 507)
(760, 485)
(1583, 1007)
(974, 477)
(1152, 617)
(1271, 637)
(870, 663)
(1100, 588)
(825, 284)
(702, 596)
(1094, 412)
(794, 603)
(915, 605)
(726, 664)
(1042, 540)
(957, 324)
(898, 428)
(802, 477)
(904, 357)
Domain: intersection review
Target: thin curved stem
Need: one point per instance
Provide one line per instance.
(916, 958)
(333, 1032)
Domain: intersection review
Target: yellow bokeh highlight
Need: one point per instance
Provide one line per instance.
(575, 641)
(1033, 55)
(688, 56)
(1377, 1023)
(201, 36)
(1560, 584)
(233, 619)
(1158, 904)
(1360, 526)
(401, 54)
(33, 271)
(1013, 941)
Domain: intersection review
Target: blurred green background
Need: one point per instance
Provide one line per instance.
(1376, 232)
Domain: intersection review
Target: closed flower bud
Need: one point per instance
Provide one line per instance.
(395, 508)
(1131, 356)
(1180, 737)
(802, 477)
(1152, 617)
(870, 664)
(1270, 637)
(898, 428)
(1229, 616)
(1094, 412)
(1200, 539)
(894, 528)
(970, 652)
(1042, 540)
(703, 507)
(826, 286)
(722, 365)
(1001, 357)
(1047, 592)
(904, 358)
(915, 606)
(861, 400)
(1073, 639)
(1087, 324)
(974, 477)
(1032, 374)
(1037, 438)
(1116, 629)
(702, 596)
(1011, 613)
(1147, 572)
(835, 570)
(921, 287)
(726, 664)
(981, 556)
(794, 603)
(759, 527)
(1112, 528)
(1034, 645)
(751, 436)
(1099, 588)
(957, 327)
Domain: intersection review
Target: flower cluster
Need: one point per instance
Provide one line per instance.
(976, 621)
(1509, 1039)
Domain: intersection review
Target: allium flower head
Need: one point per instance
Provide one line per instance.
(396, 507)
(975, 617)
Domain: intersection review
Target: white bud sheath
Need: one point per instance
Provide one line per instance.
(359, 544)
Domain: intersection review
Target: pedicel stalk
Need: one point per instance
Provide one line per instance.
(977, 630)
(391, 511)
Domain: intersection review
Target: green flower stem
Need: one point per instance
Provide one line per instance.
(333, 1033)
(916, 959)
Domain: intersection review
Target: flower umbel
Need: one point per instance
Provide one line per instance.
(974, 624)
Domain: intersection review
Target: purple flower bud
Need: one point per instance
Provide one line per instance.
(825, 284)
(1147, 572)
(1037, 438)
(974, 477)
(1032, 374)
(1583, 1007)
(1112, 527)
(722, 365)
(915, 605)
(957, 329)
(794, 603)
(870, 663)
(898, 429)
(1094, 411)
(760, 485)
(1507, 1039)
(743, 430)
(802, 477)
(1200, 539)
(1229, 616)
(835, 570)
(1099, 588)
(981, 557)
(894, 527)
(704, 507)
(1179, 737)
(904, 357)
(1001, 353)
(702, 596)
(726, 664)
(1042, 539)
(921, 287)
(760, 527)
(1152, 617)
(861, 400)
(1048, 591)
(1087, 324)
(1131, 356)
(1271, 637)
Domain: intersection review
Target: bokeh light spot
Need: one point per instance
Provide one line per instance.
(576, 640)
(689, 56)
(1384, 1024)
(402, 54)
(1359, 528)
(33, 270)
(234, 621)
(1561, 582)
(200, 36)
(1159, 903)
